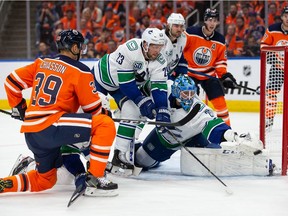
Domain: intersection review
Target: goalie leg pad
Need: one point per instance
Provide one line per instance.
(224, 162)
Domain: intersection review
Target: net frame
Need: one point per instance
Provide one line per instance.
(263, 133)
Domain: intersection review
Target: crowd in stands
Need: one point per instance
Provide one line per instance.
(103, 23)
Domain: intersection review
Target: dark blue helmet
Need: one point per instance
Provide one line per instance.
(285, 10)
(210, 13)
(67, 38)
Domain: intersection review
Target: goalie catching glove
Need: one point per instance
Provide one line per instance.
(228, 81)
(18, 112)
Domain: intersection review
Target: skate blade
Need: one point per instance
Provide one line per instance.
(121, 172)
(94, 192)
(136, 171)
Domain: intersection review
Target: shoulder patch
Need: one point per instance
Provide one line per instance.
(132, 45)
(161, 59)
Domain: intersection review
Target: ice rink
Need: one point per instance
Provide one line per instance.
(161, 192)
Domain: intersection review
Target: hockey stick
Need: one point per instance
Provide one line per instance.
(228, 190)
(257, 91)
(6, 112)
(212, 77)
(192, 113)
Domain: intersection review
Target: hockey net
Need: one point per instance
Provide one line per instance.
(274, 104)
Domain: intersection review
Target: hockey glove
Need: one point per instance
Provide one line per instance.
(163, 115)
(18, 112)
(106, 112)
(146, 106)
(228, 81)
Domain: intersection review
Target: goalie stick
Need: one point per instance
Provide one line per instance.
(192, 113)
(228, 190)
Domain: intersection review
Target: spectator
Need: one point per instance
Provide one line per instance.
(118, 27)
(112, 46)
(234, 44)
(101, 45)
(240, 27)
(96, 12)
(109, 16)
(45, 51)
(86, 32)
(145, 23)
(251, 47)
(231, 17)
(69, 21)
(246, 8)
(254, 28)
(87, 15)
(46, 17)
(158, 20)
(97, 31)
(272, 12)
(68, 6)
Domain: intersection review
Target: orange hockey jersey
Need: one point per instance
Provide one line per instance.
(275, 36)
(59, 86)
(205, 55)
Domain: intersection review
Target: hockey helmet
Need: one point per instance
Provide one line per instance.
(153, 36)
(67, 38)
(184, 89)
(285, 10)
(176, 18)
(211, 13)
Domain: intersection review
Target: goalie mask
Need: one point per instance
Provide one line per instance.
(184, 89)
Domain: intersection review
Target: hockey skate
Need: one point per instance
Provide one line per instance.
(100, 186)
(5, 184)
(120, 165)
(22, 165)
(95, 186)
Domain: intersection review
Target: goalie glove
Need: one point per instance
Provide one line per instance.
(18, 112)
(163, 115)
(228, 81)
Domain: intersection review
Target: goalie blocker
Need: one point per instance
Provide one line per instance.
(227, 161)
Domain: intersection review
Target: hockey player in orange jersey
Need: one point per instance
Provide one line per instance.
(275, 35)
(205, 60)
(59, 87)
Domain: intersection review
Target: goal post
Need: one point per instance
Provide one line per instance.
(274, 104)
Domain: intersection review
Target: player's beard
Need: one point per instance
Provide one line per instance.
(152, 57)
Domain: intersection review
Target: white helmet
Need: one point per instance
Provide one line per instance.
(153, 36)
(176, 18)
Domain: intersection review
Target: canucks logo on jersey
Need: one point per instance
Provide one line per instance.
(202, 56)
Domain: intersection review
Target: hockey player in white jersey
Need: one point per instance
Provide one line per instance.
(121, 73)
(205, 131)
(175, 40)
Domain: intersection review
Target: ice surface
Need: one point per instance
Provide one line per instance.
(161, 192)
